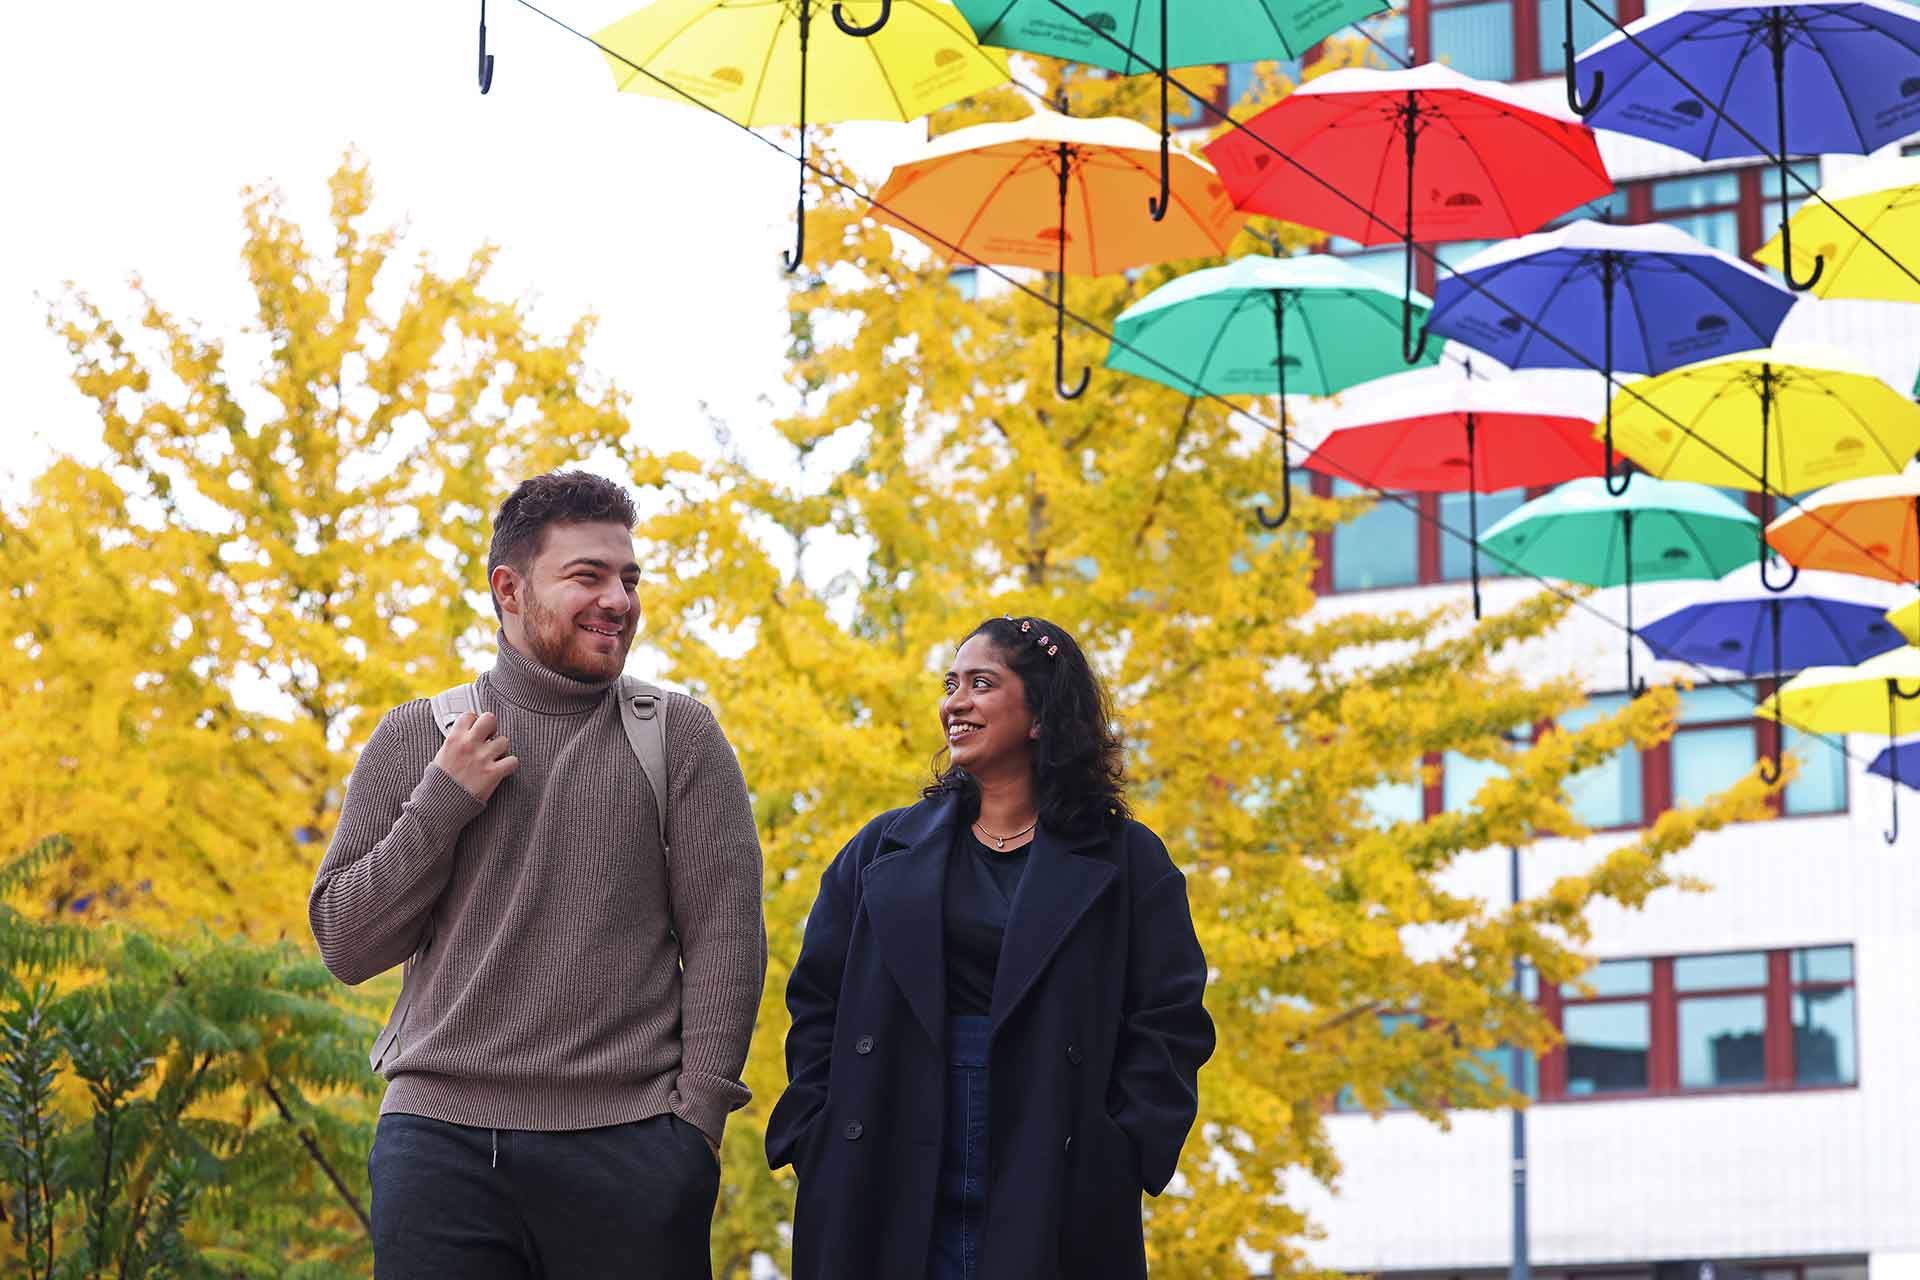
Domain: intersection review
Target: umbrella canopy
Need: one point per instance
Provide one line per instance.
(1906, 620)
(1217, 332)
(1880, 695)
(1657, 531)
(1900, 762)
(743, 58)
(1125, 36)
(1842, 65)
(1420, 154)
(1846, 69)
(1825, 619)
(1782, 419)
(1639, 299)
(1445, 431)
(751, 61)
(1869, 527)
(1056, 194)
(1882, 199)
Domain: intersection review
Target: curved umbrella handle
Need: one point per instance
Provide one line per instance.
(1786, 246)
(1625, 475)
(1893, 758)
(886, 11)
(1412, 350)
(1766, 555)
(1770, 768)
(486, 59)
(1777, 38)
(1574, 104)
(1157, 208)
(1286, 490)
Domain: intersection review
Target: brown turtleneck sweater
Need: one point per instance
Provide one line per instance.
(550, 992)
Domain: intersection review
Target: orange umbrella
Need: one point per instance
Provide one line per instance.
(1055, 193)
(1869, 526)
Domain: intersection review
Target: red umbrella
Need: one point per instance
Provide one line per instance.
(1444, 430)
(1420, 154)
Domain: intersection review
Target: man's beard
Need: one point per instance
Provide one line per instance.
(550, 639)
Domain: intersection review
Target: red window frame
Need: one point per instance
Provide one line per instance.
(1663, 1055)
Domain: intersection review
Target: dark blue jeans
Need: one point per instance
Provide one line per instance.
(960, 1218)
(627, 1202)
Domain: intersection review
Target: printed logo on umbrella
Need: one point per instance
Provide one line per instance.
(949, 64)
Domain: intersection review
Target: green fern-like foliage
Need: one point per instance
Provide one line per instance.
(193, 1107)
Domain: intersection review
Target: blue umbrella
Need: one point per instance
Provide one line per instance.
(1851, 70)
(1899, 762)
(1641, 299)
(1823, 620)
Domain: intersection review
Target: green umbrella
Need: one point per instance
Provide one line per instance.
(1122, 35)
(1257, 326)
(1658, 531)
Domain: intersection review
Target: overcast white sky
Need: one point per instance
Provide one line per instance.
(131, 128)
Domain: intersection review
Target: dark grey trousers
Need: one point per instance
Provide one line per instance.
(627, 1202)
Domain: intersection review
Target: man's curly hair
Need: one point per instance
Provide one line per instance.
(558, 497)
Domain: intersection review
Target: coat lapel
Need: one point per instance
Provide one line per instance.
(905, 888)
(1059, 885)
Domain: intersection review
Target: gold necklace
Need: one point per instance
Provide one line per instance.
(1000, 842)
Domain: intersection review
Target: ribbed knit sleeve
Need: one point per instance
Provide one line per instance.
(392, 851)
(714, 876)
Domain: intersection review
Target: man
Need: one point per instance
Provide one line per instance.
(578, 998)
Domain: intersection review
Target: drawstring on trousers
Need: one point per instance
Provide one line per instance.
(496, 1148)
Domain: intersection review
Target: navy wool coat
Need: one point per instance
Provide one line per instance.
(1098, 1037)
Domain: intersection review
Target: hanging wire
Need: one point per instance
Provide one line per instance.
(1573, 599)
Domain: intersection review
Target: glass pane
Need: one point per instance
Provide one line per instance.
(1494, 1065)
(1608, 795)
(1614, 978)
(1715, 230)
(1589, 28)
(1708, 761)
(966, 280)
(1717, 702)
(1696, 191)
(1393, 802)
(1796, 194)
(1718, 973)
(1822, 964)
(1474, 39)
(1723, 1041)
(1606, 1047)
(1821, 786)
(1456, 561)
(1378, 549)
(1823, 1049)
(1611, 207)
(1461, 777)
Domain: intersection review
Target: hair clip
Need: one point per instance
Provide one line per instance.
(1052, 649)
(1026, 624)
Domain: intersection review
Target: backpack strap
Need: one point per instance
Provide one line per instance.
(646, 728)
(450, 704)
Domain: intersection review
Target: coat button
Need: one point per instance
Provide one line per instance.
(1073, 1054)
(853, 1130)
(863, 1045)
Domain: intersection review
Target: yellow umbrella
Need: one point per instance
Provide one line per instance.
(1056, 193)
(750, 60)
(1779, 419)
(1881, 693)
(1882, 198)
(1906, 620)
(1869, 527)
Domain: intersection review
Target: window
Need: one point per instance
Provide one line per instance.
(966, 281)
(1377, 549)
(1722, 1018)
(1609, 1035)
(1706, 206)
(1475, 38)
(1608, 795)
(1822, 1012)
(1750, 1020)
(1456, 557)
(1715, 743)
(1589, 29)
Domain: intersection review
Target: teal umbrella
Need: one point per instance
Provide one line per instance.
(1658, 531)
(1123, 35)
(1264, 326)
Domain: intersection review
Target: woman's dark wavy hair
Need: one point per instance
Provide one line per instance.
(1079, 770)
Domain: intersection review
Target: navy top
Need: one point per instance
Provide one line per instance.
(980, 886)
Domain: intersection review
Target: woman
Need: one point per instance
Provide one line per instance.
(997, 1017)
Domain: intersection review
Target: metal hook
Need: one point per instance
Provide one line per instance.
(1412, 351)
(792, 263)
(886, 11)
(1574, 104)
(1765, 557)
(1060, 299)
(486, 59)
(1157, 208)
(1777, 41)
(1286, 489)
